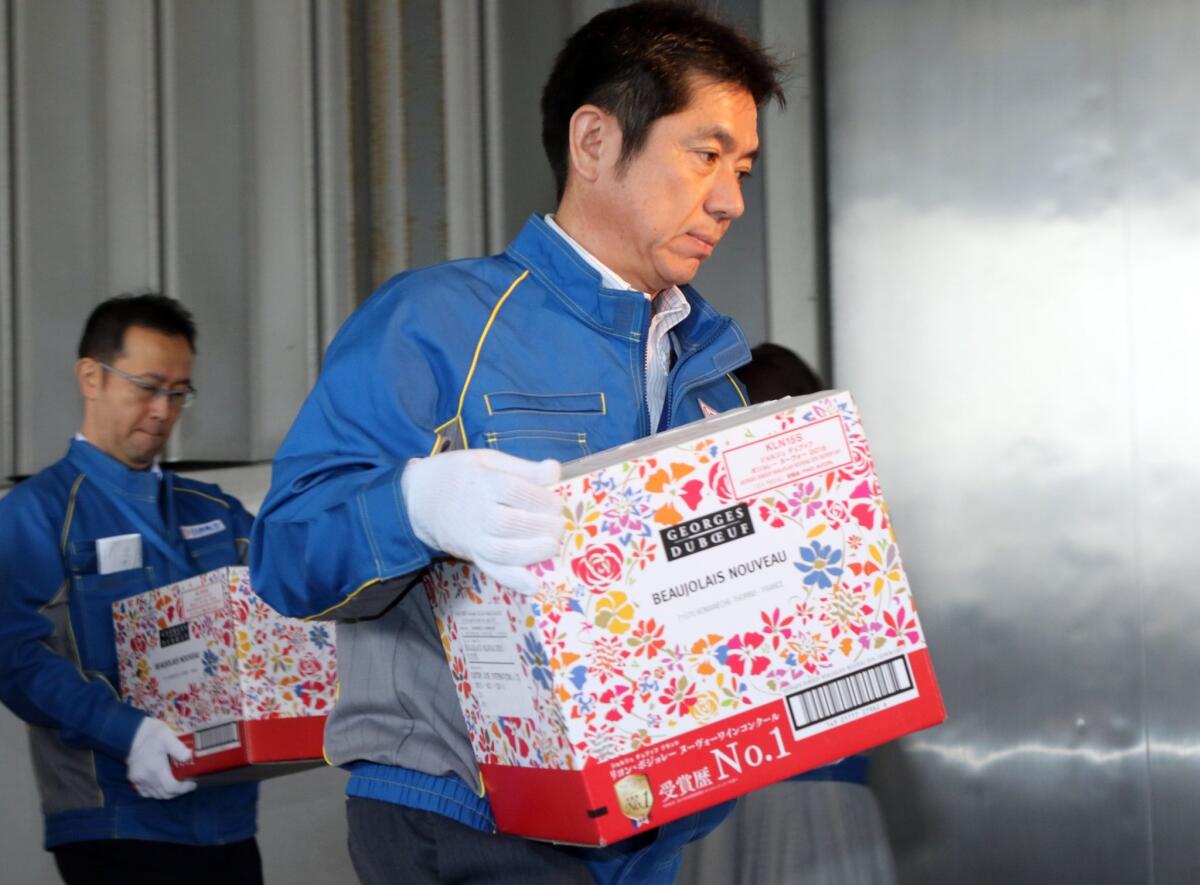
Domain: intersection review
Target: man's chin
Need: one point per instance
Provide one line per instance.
(684, 271)
(143, 458)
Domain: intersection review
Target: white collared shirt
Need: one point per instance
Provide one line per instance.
(668, 309)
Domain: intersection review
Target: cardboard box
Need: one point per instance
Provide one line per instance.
(728, 609)
(247, 688)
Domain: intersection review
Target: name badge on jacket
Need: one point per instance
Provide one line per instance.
(202, 529)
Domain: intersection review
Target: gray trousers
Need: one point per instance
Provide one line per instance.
(391, 844)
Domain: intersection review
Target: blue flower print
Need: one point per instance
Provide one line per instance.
(819, 563)
(539, 664)
(209, 661)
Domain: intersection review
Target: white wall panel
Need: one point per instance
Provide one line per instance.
(282, 260)
(129, 125)
(336, 199)
(7, 364)
(423, 160)
(385, 127)
(241, 215)
(83, 127)
(466, 194)
(208, 219)
(57, 157)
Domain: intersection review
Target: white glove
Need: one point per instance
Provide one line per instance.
(154, 745)
(489, 508)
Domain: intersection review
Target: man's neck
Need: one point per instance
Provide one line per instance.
(609, 278)
(589, 236)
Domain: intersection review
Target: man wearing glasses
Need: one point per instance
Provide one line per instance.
(104, 523)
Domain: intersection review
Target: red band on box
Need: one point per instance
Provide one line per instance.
(740, 753)
(260, 741)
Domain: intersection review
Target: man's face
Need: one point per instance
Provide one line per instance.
(671, 204)
(120, 417)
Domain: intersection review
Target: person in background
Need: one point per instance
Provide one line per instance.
(775, 372)
(822, 827)
(448, 401)
(103, 523)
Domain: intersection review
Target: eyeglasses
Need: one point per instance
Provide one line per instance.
(176, 397)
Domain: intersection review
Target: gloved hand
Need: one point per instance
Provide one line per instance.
(488, 508)
(154, 745)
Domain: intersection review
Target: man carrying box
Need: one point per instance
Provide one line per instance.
(447, 402)
(102, 524)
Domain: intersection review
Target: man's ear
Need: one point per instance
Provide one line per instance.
(88, 373)
(593, 142)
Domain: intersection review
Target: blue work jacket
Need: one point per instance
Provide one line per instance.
(58, 665)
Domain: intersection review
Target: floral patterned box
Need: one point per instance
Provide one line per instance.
(728, 608)
(247, 688)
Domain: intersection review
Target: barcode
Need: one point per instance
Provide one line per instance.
(849, 692)
(216, 738)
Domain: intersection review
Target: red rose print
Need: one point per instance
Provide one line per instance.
(860, 463)
(836, 514)
(718, 481)
(599, 567)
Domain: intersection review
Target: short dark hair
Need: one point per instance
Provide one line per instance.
(775, 372)
(635, 62)
(104, 333)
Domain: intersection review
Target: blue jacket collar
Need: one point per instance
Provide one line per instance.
(110, 472)
(559, 267)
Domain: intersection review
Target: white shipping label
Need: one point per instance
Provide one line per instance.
(788, 457)
(118, 553)
(492, 660)
(203, 595)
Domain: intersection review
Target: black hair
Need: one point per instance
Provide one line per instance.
(775, 372)
(104, 333)
(636, 61)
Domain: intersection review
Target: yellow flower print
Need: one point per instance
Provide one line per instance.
(706, 707)
(614, 612)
